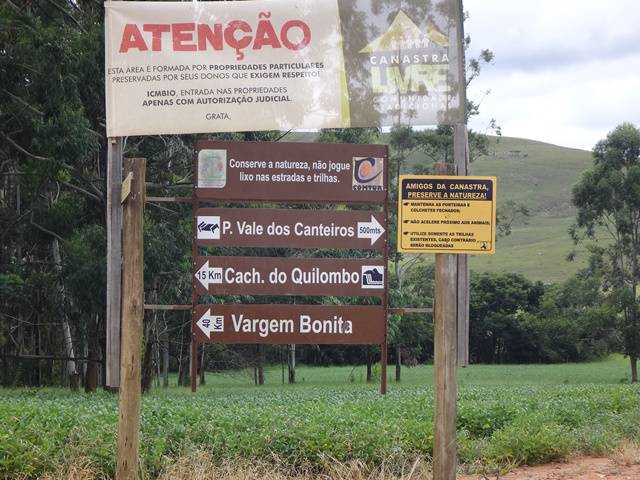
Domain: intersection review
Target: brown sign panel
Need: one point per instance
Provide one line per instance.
(291, 172)
(289, 276)
(282, 324)
(268, 227)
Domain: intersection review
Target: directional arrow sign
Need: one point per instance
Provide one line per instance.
(372, 230)
(211, 323)
(207, 275)
(208, 227)
(282, 324)
(278, 227)
(290, 276)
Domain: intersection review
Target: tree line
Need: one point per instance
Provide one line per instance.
(53, 247)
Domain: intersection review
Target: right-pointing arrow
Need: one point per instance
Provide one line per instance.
(372, 230)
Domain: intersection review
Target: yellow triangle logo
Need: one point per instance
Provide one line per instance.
(404, 34)
(436, 36)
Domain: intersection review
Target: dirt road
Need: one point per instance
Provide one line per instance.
(575, 469)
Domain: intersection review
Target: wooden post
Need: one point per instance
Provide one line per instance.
(260, 363)
(114, 263)
(291, 360)
(384, 353)
(194, 365)
(132, 320)
(445, 358)
(461, 161)
(444, 442)
(282, 347)
(203, 373)
(383, 368)
(193, 358)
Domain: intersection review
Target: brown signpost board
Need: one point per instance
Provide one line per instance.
(291, 172)
(283, 324)
(289, 276)
(270, 227)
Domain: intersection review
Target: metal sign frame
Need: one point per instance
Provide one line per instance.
(230, 192)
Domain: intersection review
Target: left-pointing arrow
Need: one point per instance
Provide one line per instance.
(208, 275)
(206, 323)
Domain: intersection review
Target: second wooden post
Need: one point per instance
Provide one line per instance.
(132, 318)
(445, 360)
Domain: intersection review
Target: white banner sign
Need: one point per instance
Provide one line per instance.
(191, 67)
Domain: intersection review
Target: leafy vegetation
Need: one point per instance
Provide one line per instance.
(608, 198)
(326, 417)
(53, 159)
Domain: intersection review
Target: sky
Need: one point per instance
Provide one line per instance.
(565, 72)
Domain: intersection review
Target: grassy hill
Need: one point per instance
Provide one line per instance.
(541, 176)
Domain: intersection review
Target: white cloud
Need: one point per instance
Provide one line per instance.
(565, 72)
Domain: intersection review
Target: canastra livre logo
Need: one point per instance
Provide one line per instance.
(407, 60)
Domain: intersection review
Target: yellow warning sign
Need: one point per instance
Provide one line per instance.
(446, 214)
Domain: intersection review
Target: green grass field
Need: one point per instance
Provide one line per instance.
(614, 370)
(506, 415)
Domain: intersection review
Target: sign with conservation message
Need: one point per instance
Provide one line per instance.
(193, 67)
(300, 174)
(270, 227)
(446, 214)
(291, 172)
(281, 324)
(289, 276)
